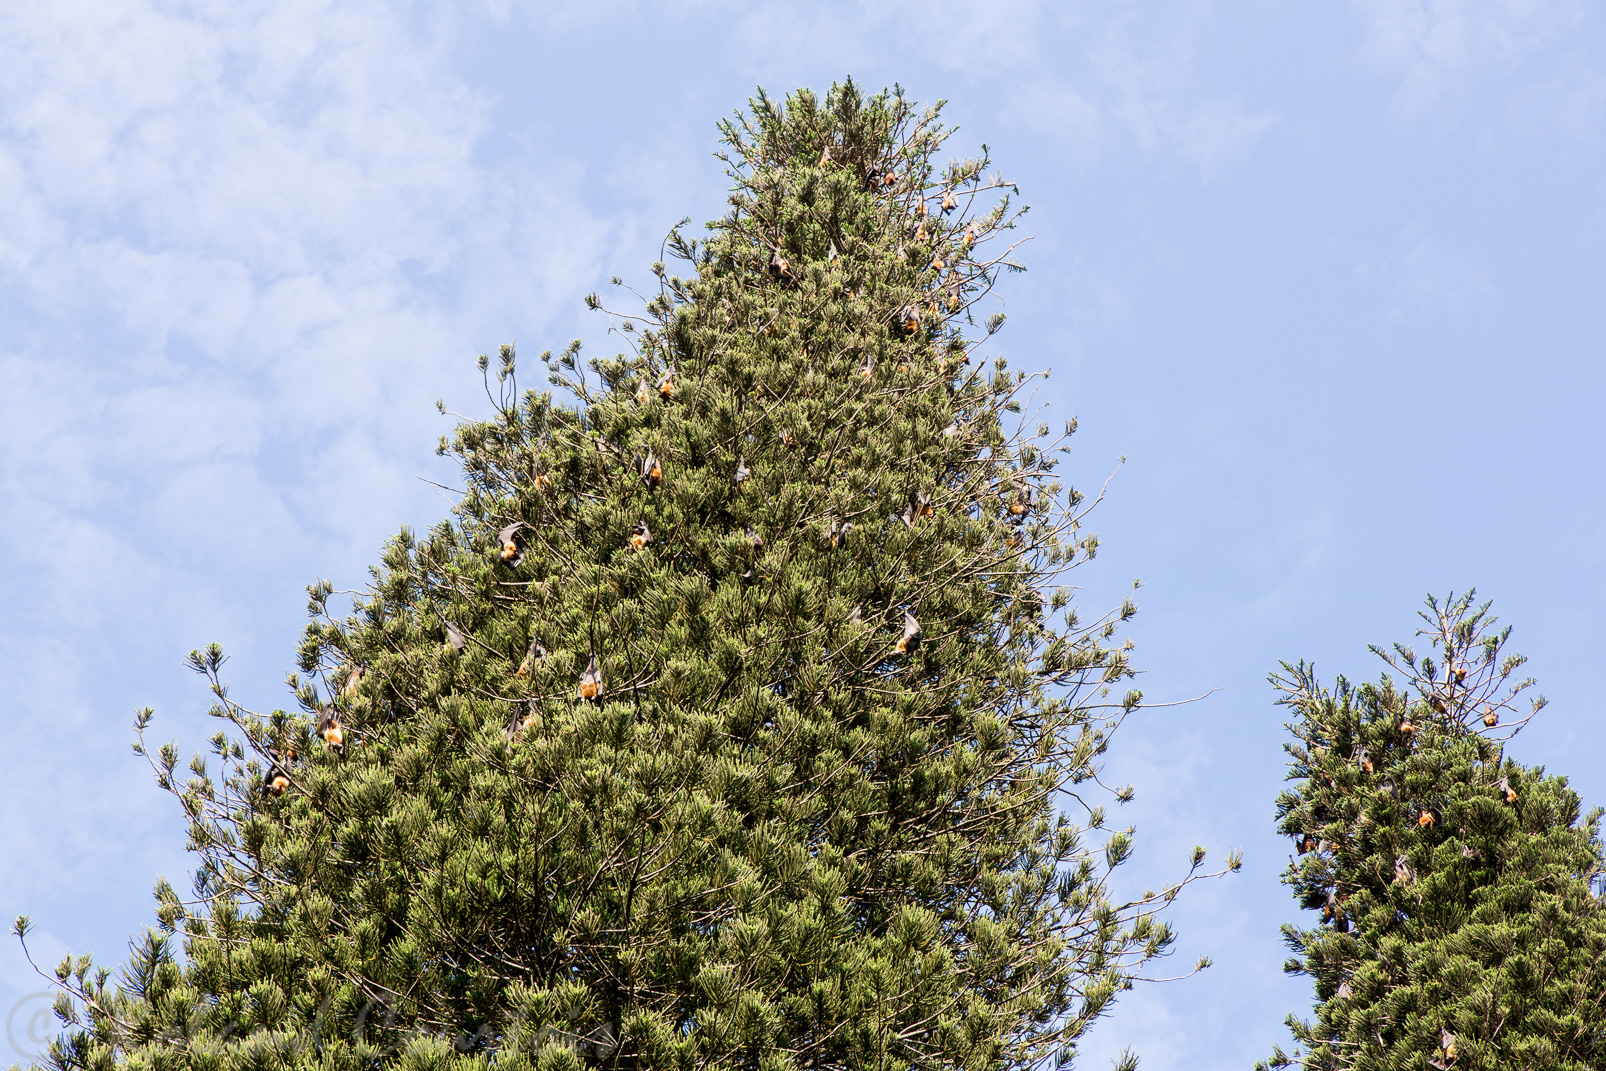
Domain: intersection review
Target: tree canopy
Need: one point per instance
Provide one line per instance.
(1458, 921)
(739, 717)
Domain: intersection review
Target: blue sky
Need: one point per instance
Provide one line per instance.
(1330, 277)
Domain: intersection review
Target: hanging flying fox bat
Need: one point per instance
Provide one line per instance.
(956, 293)
(907, 516)
(1505, 786)
(652, 473)
(1469, 852)
(277, 779)
(920, 231)
(754, 538)
(922, 504)
(1404, 872)
(1490, 718)
(825, 156)
(889, 179)
(786, 438)
(1430, 817)
(330, 729)
(780, 267)
(909, 319)
(514, 729)
(1023, 497)
(591, 681)
(1438, 704)
(830, 252)
(949, 201)
(970, 233)
(531, 657)
(456, 637)
(837, 534)
(666, 385)
(742, 473)
(1460, 674)
(541, 481)
(1344, 991)
(909, 642)
(1303, 842)
(1387, 787)
(951, 431)
(643, 393)
(921, 210)
(1363, 760)
(510, 556)
(640, 535)
(353, 681)
(867, 370)
(937, 264)
(1406, 727)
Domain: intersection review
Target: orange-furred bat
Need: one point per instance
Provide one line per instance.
(330, 729)
(591, 681)
(909, 642)
(1363, 760)
(640, 535)
(1404, 872)
(837, 534)
(353, 682)
(643, 393)
(510, 555)
(1490, 718)
(1505, 787)
(531, 657)
(277, 779)
(949, 202)
(666, 385)
(652, 473)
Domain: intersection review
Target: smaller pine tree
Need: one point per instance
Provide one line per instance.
(1458, 923)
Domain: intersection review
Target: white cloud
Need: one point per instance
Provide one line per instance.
(1437, 48)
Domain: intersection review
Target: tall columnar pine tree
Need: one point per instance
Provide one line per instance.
(1459, 927)
(732, 721)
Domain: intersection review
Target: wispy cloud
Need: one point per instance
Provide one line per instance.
(1437, 49)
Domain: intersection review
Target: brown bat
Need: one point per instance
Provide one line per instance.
(1438, 704)
(666, 385)
(921, 210)
(353, 681)
(909, 642)
(1023, 497)
(825, 156)
(1490, 718)
(920, 231)
(830, 252)
(652, 473)
(755, 539)
(591, 681)
(937, 263)
(868, 370)
(837, 534)
(1406, 727)
(510, 556)
(640, 535)
(531, 657)
(1344, 992)
(1430, 817)
(456, 637)
(889, 178)
(780, 267)
(909, 318)
(1505, 786)
(742, 473)
(514, 730)
(1469, 852)
(330, 729)
(949, 201)
(1404, 872)
(956, 293)
(1363, 760)
(643, 393)
(277, 779)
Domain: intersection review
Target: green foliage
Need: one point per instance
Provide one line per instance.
(730, 721)
(1459, 927)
